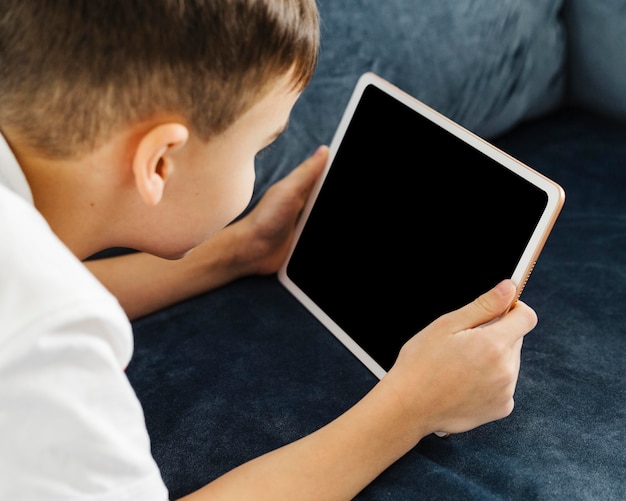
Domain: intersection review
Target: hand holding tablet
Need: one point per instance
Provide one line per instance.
(409, 203)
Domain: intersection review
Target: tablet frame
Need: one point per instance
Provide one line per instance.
(555, 199)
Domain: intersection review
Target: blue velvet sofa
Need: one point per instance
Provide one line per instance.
(231, 374)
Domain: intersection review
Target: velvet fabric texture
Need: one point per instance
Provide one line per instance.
(487, 64)
(484, 63)
(239, 371)
(596, 61)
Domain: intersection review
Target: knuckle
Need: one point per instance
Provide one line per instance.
(508, 407)
(494, 352)
(482, 304)
(527, 313)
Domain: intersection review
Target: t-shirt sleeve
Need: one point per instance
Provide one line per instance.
(71, 426)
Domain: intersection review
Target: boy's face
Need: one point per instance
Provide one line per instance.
(212, 183)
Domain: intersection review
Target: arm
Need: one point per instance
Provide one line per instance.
(256, 244)
(452, 376)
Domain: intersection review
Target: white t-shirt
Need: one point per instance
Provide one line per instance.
(71, 426)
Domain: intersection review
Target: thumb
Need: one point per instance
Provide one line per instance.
(300, 181)
(309, 170)
(483, 309)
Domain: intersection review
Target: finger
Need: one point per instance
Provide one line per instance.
(305, 175)
(519, 321)
(320, 155)
(483, 309)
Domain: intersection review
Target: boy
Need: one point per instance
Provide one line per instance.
(135, 124)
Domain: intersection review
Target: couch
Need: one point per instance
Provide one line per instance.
(231, 374)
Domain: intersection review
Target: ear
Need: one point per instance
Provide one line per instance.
(152, 163)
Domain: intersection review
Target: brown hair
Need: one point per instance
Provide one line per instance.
(73, 71)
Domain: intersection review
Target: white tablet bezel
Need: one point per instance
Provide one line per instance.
(554, 192)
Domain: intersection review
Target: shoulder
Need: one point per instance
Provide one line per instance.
(64, 344)
(43, 283)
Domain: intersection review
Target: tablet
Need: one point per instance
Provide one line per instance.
(414, 216)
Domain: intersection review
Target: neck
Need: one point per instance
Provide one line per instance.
(71, 195)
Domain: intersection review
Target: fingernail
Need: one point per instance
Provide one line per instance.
(504, 287)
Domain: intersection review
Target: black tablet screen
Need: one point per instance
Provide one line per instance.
(411, 222)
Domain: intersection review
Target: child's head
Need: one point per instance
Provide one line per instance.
(72, 72)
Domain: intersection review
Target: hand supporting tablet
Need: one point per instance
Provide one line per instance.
(412, 194)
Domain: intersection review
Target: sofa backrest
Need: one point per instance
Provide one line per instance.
(488, 64)
(596, 60)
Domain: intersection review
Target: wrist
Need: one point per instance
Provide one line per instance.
(413, 403)
(221, 259)
(232, 251)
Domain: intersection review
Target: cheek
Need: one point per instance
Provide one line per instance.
(230, 195)
(242, 189)
(195, 210)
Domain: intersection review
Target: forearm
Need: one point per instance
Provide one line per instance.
(334, 463)
(144, 283)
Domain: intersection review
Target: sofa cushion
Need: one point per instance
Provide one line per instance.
(487, 64)
(597, 55)
(234, 373)
(484, 63)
